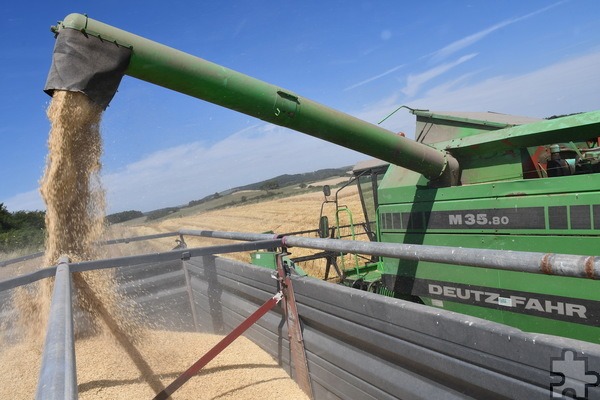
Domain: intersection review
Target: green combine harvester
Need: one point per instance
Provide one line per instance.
(514, 202)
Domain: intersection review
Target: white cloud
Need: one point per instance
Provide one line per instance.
(31, 200)
(561, 88)
(373, 78)
(188, 172)
(453, 84)
(415, 81)
(471, 39)
(177, 175)
(565, 87)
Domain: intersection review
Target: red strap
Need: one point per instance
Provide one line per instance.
(219, 347)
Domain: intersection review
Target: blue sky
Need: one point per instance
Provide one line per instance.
(366, 58)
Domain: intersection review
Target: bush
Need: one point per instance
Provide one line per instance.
(22, 229)
(123, 216)
(20, 239)
(161, 213)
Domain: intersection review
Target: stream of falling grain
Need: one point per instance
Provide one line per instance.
(75, 206)
(74, 201)
(75, 210)
(73, 196)
(71, 186)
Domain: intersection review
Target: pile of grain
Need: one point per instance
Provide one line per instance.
(242, 371)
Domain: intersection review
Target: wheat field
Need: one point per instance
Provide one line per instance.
(290, 214)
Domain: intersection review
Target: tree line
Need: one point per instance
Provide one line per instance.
(21, 229)
(26, 230)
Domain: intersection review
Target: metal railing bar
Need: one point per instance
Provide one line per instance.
(229, 235)
(142, 238)
(138, 238)
(103, 243)
(27, 278)
(21, 259)
(178, 254)
(577, 266)
(58, 375)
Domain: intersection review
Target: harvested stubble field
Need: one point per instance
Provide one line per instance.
(290, 214)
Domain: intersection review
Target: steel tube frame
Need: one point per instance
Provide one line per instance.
(576, 266)
(57, 379)
(229, 235)
(104, 243)
(27, 278)
(58, 374)
(138, 238)
(180, 254)
(20, 259)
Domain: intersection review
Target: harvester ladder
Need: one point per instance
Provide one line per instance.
(346, 210)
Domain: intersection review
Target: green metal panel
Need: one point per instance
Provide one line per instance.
(569, 292)
(572, 128)
(551, 215)
(481, 168)
(267, 259)
(402, 187)
(570, 214)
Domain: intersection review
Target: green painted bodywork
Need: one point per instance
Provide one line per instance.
(266, 259)
(499, 209)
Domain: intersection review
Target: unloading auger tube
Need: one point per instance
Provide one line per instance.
(92, 57)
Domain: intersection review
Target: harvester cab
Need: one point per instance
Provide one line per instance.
(358, 271)
(368, 175)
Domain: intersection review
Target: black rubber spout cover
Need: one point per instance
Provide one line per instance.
(87, 64)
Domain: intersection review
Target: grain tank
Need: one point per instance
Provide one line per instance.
(479, 181)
